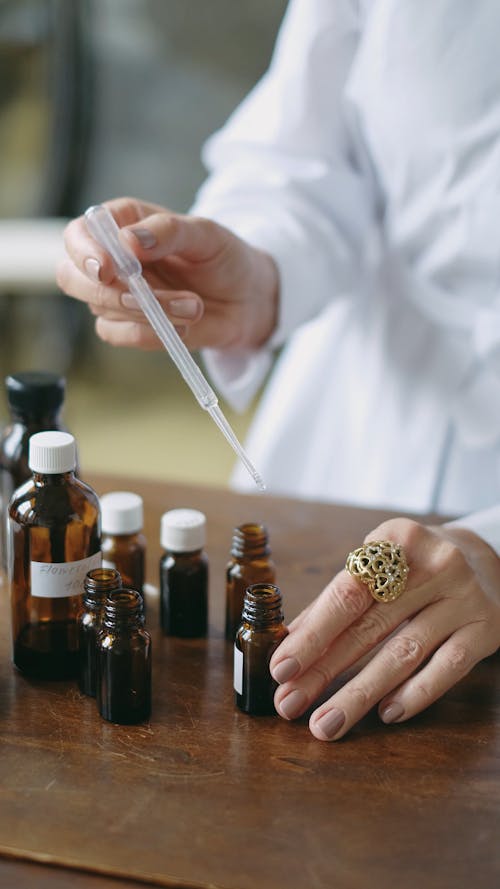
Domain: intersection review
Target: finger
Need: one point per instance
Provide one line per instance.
(342, 601)
(180, 305)
(75, 283)
(394, 663)
(300, 617)
(350, 649)
(127, 210)
(186, 311)
(116, 304)
(375, 625)
(171, 234)
(451, 662)
(88, 256)
(86, 253)
(426, 555)
(133, 334)
(182, 308)
(345, 599)
(207, 325)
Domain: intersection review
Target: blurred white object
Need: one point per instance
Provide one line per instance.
(29, 252)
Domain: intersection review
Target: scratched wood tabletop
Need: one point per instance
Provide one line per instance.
(205, 796)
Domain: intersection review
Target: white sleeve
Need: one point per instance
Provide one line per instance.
(426, 87)
(485, 524)
(284, 176)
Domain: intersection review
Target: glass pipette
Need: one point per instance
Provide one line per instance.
(102, 226)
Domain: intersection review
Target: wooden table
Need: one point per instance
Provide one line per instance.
(205, 796)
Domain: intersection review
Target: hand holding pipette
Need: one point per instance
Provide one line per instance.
(104, 229)
(218, 290)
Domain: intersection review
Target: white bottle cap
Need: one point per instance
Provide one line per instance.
(121, 513)
(183, 530)
(52, 452)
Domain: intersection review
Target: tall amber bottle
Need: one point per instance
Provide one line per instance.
(261, 631)
(250, 563)
(54, 540)
(123, 543)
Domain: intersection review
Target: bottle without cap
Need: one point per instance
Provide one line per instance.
(250, 563)
(97, 585)
(183, 574)
(124, 660)
(123, 543)
(54, 540)
(261, 631)
(35, 400)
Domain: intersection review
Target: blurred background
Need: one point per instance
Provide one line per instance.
(100, 98)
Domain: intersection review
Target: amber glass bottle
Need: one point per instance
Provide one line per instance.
(123, 543)
(54, 540)
(35, 401)
(250, 563)
(183, 574)
(124, 660)
(261, 631)
(97, 585)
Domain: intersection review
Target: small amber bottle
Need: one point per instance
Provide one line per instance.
(54, 540)
(183, 574)
(35, 400)
(123, 543)
(124, 660)
(97, 585)
(250, 563)
(261, 631)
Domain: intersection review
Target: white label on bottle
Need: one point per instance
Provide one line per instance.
(238, 671)
(57, 580)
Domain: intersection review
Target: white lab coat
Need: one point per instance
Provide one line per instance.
(367, 162)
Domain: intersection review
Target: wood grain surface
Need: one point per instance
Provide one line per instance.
(205, 796)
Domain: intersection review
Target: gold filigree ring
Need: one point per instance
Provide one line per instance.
(382, 566)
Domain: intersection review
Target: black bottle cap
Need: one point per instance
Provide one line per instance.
(35, 392)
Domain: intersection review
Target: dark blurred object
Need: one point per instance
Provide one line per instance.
(35, 403)
(45, 105)
(46, 91)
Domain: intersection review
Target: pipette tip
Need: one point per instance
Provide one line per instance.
(259, 481)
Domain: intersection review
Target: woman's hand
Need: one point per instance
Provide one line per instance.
(419, 646)
(217, 289)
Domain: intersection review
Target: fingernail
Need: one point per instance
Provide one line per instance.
(392, 712)
(128, 300)
(93, 268)
(331, 723)
(285, 670)
(144, 236)
(184, 308)
(293, 705)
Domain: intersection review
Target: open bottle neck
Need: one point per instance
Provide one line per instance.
(262, 605)
(123, 610)
(250, 541)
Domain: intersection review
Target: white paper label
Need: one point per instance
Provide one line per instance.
(57, 580)
(238, 671)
